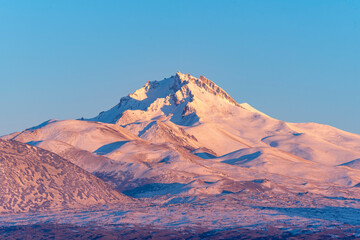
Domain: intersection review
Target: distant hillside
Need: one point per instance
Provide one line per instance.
(33, 179)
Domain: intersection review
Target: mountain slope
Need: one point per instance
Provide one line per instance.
(84, 135)
(273, 160)
(33, 179)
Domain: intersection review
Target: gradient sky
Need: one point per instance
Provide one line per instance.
(297, 61)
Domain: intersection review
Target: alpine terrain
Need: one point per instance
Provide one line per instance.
(192, 157)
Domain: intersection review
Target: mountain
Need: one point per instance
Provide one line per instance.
(204, 111)
(33, 179)
(186, 136)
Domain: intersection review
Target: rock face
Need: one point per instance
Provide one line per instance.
(33, 179)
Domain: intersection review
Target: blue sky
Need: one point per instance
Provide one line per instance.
(297, 61)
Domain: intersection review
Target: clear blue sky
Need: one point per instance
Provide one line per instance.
(297, 61)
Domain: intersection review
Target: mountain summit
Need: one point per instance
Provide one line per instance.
(181, 98)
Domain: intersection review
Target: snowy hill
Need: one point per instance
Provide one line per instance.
(33, 179)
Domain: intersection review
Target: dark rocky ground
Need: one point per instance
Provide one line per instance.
(67, 231)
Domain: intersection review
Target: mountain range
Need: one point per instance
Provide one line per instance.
(187, 135)
(182, 140)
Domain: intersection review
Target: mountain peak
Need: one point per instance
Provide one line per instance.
(181, 96)
(205, 84)
(183, 77)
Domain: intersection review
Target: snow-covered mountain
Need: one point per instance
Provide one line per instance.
(186, 136)
(204, 115)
